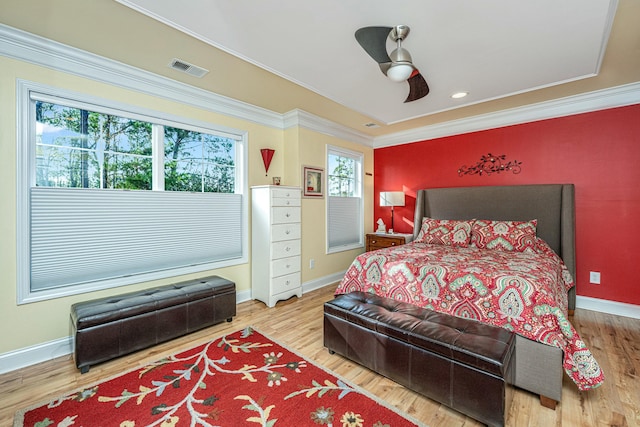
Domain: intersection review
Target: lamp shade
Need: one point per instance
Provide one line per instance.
(391, 198)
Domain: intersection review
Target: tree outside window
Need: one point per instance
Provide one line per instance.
(85, 149)
(342, 176)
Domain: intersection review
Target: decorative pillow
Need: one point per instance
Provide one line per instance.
(519, 236)
(445, 232)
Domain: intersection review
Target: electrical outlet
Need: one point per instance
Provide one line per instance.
(594, 277)
(312, 263)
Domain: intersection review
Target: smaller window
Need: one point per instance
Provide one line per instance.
(344, 204)
(342, 175)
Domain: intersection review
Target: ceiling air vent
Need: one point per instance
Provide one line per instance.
(185, 67)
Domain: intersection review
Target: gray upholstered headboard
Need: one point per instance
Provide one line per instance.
(551, 204)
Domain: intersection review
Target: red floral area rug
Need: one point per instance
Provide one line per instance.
(241, 379)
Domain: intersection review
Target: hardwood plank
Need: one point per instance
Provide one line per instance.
(297, 323)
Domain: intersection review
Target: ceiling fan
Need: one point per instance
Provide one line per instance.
(397, 65)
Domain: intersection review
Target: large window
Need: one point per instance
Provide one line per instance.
(114, 196)
(344, 204)
(79, 148)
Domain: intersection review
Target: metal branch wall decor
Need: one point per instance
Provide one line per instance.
(489, 164)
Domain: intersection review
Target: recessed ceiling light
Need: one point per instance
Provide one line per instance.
(459, 95)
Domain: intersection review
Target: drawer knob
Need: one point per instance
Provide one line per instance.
(288, 215)
(288, 202)
(288, 266)
(374, 241)
(287, 282)
(287, 232)
(287, 249)
(393, 243)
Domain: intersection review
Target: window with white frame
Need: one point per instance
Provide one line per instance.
(112, 195)
(344, 199)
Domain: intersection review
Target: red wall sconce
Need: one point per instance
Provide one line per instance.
(267, 155)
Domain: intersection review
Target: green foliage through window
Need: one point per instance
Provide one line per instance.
(342, 176)
(85, 149)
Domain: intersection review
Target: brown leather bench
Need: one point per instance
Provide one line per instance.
(106, 328)
(461, 363)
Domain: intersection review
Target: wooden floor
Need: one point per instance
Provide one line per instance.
(615, 342)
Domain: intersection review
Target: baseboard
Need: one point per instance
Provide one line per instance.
(312, 285)
(242, 296)
(35, 354)
(62, 347)
(609, 307)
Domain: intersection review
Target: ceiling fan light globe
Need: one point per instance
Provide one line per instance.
(399, 72)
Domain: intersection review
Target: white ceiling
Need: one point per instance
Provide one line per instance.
(491, 48)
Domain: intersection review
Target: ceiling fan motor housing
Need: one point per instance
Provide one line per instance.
(400, 55)
(399, 32)
(401, 63)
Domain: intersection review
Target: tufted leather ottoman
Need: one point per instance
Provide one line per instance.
(461, 363)
(106, 328)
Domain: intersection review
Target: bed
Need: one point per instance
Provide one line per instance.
(524, 284)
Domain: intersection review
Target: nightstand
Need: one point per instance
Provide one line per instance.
(379, 241)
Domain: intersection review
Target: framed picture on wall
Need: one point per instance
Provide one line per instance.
(312, 182)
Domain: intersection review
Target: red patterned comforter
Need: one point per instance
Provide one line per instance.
(523, 292)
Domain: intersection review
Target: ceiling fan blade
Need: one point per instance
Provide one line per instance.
(418, 87)
(374, 41)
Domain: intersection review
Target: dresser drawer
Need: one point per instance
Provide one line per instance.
(276, 201)
(380, 241)
(285, 197)
(286, 283)
(285, 214)
(284, 266)
(285, 232)
(285, 249)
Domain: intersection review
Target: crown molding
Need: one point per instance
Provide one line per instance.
(312, 122)
(618, 96)
(23, 46)
(20, 45)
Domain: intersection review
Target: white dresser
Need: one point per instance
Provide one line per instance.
(275, 243)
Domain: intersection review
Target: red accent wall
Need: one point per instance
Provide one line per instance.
(599, 152)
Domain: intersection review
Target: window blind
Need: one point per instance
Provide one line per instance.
(344, 224)
(84, 235)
